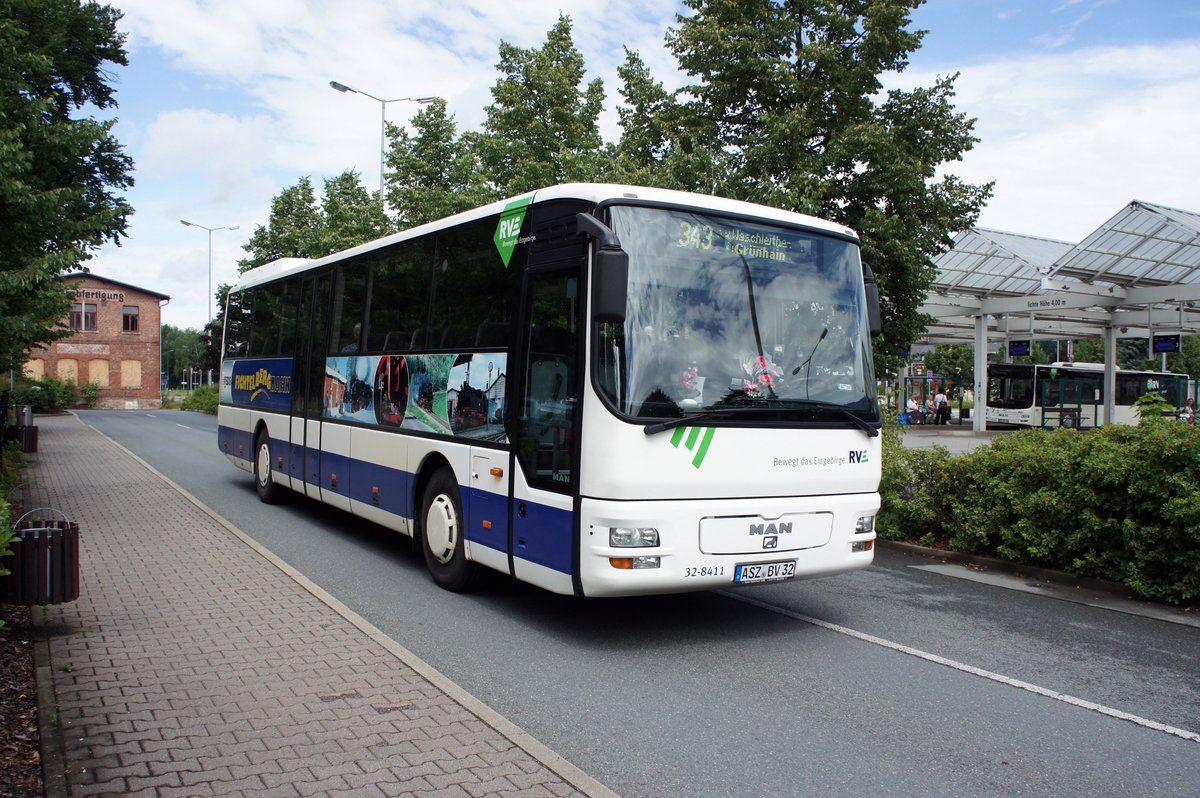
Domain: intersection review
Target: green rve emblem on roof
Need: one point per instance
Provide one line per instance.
(695, 439)
(509, 228)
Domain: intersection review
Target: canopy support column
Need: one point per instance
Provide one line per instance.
(979, 415)
(1110, 373)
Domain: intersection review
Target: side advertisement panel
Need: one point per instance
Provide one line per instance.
(260, 383)
(458, 394)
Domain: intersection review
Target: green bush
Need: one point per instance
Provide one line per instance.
(46, 395)
(91, 394)
(1120, 503)
(204, 399)
(912, 489)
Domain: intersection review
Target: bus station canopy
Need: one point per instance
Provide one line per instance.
(1138, 272)
(1136, 275)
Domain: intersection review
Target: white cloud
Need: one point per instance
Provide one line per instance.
(1071, 138)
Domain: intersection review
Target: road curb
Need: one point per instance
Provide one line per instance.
(995, 563)
(1069, 587)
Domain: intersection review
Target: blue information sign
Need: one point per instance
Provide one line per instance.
(1018, 348)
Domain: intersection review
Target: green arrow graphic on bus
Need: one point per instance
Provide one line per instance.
(695, 439)
(511, 219)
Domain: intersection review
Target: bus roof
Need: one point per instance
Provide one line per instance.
(590, 192)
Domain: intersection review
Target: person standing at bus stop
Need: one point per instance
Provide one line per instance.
(941, 407)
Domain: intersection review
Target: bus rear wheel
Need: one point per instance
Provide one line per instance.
(266, 488)
(443, 532)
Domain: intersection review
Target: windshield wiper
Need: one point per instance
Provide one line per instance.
(672, 423)
(775, 405)
(762, 406)
(842, 411)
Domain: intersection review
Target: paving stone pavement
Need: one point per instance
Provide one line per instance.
(194, 663)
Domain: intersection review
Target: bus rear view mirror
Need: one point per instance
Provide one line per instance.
(610, 286)
(874, 319)
(610, 271)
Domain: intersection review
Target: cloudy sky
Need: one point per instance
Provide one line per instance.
(1082, 105)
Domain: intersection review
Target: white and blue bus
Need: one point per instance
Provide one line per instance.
(1067, 394)
(602, 390)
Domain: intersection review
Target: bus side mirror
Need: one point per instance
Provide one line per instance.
(610, 271)
(874, 319)
(610, 288)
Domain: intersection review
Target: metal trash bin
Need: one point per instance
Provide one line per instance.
(44, 565)
(25, 437)
(25, 416)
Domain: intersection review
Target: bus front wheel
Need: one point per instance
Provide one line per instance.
(266, 488)
(442, 531)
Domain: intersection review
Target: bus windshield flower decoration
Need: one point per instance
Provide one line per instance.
(763, 376)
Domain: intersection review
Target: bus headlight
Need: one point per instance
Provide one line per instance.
(865, 525)
(624, 537)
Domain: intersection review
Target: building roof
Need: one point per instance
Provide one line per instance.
(110, 281)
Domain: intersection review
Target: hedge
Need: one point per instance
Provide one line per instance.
(1119, 503)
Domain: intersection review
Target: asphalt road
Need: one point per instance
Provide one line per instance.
(903, 679)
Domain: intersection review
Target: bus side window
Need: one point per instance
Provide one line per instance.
(472, 287)
(237, 323)
(399, 296)
(349, 302)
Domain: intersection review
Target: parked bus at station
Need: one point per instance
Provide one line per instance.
(1071, 394)
(602, 390)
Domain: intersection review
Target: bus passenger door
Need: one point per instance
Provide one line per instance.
(543, 540)
(297, 457)
(315, 388)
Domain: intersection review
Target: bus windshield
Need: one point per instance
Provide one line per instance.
(1010, 388)
(737, 318)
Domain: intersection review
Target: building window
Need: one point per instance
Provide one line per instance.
(35, 369)
(129, 318)
(83, 316)
(131, 374)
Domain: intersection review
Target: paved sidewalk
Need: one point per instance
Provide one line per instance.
(195, 663)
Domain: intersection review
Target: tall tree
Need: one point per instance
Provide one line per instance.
(292, 228)
(350, 215)
(181, 348)
(542, 126)
(60, 171)
(787, 94)
(435, 172)
(300, 226)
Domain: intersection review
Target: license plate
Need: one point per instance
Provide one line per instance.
(765, 572)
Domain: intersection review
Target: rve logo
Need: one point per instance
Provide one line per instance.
(695, 439)
(859, 456)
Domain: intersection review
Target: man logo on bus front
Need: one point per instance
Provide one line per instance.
(771, 542)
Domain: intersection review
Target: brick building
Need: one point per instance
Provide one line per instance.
(116, 343)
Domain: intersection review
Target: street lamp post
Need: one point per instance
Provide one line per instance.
(186, 223)
(342, 87)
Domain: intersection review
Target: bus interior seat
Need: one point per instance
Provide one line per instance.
(491, 333)
(396, 340)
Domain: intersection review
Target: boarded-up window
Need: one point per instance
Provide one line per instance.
(131, 374)
(68, 370)
(98, 372)
(35, 369)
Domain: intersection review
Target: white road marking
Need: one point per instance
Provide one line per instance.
(961, 666)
